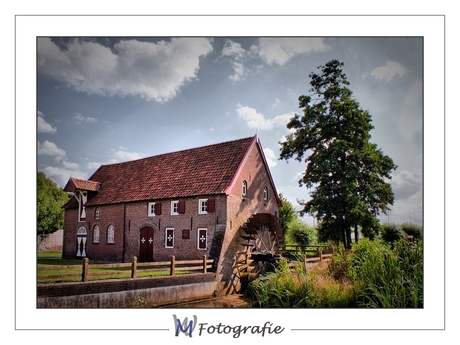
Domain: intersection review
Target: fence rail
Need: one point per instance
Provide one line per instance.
(133, 267)
(314, 250)
(312, 260)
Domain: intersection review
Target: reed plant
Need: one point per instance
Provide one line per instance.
(373, 274)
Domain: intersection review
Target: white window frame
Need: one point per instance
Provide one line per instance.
(151, 209)
(111, 234)
(175, 204)
(96, 230)
(265, 193)
(203, 206)
(166, 238)
(82, 199)
(244, 188)
(97, 213)
(198, 239)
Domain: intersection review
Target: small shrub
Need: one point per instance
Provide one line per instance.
(413, 230)
(391, 233)
(301, 233)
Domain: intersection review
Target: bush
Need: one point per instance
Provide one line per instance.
(413, 230)
(391, 233)
(301, 233)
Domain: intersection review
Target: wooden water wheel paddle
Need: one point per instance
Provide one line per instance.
(262, 239)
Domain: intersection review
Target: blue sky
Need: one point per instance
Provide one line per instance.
(103, 100)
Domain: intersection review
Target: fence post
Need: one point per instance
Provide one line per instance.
(84, 273)
(204, 264)
(173, 265)
(134, 268)
(320, 255)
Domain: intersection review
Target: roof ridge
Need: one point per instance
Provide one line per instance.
(182, 150)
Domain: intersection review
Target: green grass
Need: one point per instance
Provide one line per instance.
(55, 259)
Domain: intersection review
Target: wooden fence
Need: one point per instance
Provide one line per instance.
(133, 267)
(313, 251)
(309, 255)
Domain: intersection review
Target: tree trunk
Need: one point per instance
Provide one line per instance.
(356, 233)
(348, 237)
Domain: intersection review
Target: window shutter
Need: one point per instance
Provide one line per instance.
(181, 207)
(202, 238)
(157, 208)
(169, 238)
(211, 205)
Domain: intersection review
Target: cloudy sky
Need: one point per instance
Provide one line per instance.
(104, 100)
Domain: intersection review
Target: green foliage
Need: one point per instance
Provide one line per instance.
(391, 232)
(390, 277)
(346, 172)
(413, 230)
(287, 212)
(373, 274)
(299, 288)
(50, 198)
(301, 233)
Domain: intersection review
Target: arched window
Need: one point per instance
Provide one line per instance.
(265, 193)
(81, 241)
(111, 234)
(97, 213)
(96, 234)
(245, 188)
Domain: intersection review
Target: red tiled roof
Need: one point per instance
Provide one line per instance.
(75, 183)
(71, 203)
(204, 170)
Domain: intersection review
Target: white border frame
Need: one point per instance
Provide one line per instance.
(431, 317)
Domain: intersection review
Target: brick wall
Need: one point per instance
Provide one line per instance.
(183, 249)
(239, 209)
(128, 220)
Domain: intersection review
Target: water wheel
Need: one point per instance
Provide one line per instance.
(261, 239)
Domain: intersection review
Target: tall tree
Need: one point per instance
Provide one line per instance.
(50, 198)
(287, 212)
(348, 174)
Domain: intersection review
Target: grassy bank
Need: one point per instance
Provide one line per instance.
(374, 274)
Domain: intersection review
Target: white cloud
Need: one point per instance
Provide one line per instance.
(43, 126)
(387, 72)
(123, 155)
(270, 157)
(280, 50)
(237, 55)
(80, 118)
(49, 148)
(70, 165)
(153, 71)
(93, 166)
(61, 175)
(257, 120)
(406, 184)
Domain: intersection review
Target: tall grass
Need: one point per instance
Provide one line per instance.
(374, 274)
(391, 277)
(299, 288)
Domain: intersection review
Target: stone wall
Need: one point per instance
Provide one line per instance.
(128, 293)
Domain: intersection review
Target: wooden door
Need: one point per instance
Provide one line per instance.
(146, 245)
